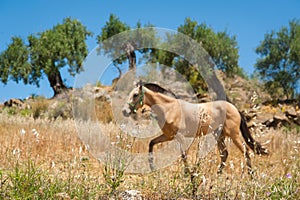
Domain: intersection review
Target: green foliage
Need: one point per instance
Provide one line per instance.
(46, 53)
(116, 162)
(99, 84)
(218, 46)
(113, 173)
(221, 47)
(14, 62)
(25, 181)
(28, 181)
(25, 112)
(67, 44)
(279, 62)
(284, 188)
(11, 110)
(112, 27)
(39, 107)
(117, 48)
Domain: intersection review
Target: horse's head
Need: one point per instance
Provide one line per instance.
(135, 100)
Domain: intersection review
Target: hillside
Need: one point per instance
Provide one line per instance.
(247, 95)
(43, 157)
(260, 110)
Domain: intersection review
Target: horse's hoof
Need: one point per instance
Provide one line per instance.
(152, 168)
(251, 173)
(220, 170)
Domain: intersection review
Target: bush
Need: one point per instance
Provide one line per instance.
(39, 107)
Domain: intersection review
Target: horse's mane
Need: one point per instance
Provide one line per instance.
(157, 88)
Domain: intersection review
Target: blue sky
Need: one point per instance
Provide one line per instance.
(248, 20)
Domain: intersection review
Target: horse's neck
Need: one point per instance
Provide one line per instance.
(163, 106)
(155, 98)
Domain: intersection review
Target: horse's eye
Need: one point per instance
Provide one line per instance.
(135, 95)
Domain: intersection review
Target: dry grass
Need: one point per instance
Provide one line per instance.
(52, 151)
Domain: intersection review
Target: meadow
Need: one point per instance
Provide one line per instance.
(45, 159)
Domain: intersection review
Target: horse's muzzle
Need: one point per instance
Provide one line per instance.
(126, 112)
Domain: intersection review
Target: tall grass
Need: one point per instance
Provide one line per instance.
(44, 159)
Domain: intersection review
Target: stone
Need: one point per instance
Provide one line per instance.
(278, 120)
(131, 195)
(297, 120)
(291, 113)
(16, 103)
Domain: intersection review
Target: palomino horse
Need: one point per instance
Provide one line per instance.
(177, 116)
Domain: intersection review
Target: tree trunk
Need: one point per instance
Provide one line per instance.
(287, 91)
(56, 82)
(115, 80)
(129, 49)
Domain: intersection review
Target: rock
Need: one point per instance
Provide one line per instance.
(281, 119)
(16, 103)
(131, 195)
(264, 116)
(60, 109)
(238, 82)
(278, 121)
(297, 120)
(102, 95)
(291, 113)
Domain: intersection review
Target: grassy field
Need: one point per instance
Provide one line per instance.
(43, 159)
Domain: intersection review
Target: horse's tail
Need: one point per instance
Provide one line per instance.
(255, 146)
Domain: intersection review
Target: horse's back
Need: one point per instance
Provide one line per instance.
(221, 114)
(198, 118)
(227, 116)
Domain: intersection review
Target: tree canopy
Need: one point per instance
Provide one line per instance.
(124, 47)
(220, 46)
(279, 62)
(64, 45)
(46, 53)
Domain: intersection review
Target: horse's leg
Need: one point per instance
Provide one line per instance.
(223, 152)
(184, 159)
(180, 139)
(245, 150)
(183, 155)
(159, 139)
(233, 131)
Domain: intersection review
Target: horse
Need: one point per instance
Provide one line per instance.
(178, 117)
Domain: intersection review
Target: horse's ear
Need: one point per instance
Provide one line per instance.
(140, 84)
